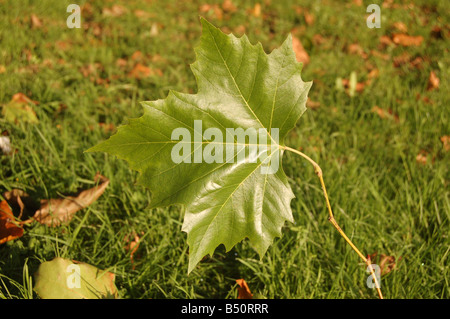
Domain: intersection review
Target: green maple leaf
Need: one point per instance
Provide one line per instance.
(239, 86)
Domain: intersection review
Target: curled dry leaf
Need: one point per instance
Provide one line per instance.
(243, 290)
(53, 212)
(9, 230)
(386, 263)
(132, 246)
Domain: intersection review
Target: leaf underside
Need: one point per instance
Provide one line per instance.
(239, 86)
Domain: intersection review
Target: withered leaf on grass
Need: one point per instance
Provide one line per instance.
(407, 40)
(8, 229)
(300, 52)
(446, 142)
(53, 212)
(243, 290)
(433, 81)
(386, 263)
(19, 109)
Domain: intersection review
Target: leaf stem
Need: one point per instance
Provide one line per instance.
(331, 218)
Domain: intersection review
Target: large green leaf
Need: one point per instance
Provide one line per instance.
(239, 86)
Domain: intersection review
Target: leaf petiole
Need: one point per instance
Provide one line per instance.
(331, 218)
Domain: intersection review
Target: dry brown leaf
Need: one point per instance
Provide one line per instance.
(228, 6)
(359, 85)
(115, 11)
(143, 14)
(137, 56)
(9, 230)
(243, 290)
(433, 82)
(355, 48)
(141, 71)
(385, 114)
(300, 52)
(400, 27)
(121, 63)
(422, 157)
(309, 17)
(53, 212)
(385, 262)
(132, 246)
(35, 21)
(15, 196)
(385, 41)
(23, 99)
(446, 142)
(407, 40)
(312, 104)
(256, 10)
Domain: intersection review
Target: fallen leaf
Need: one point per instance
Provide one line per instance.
(300, 52)
(407, 40)
(318, 39)
(385, 262)
(19, 110)
(218, 12)
(15, 196)
(121, 63)
(66, 279)
(309, 17)
(355, 48)
(385, 114)
(143, 14)
(385, 41)
(312, 104)
(433, 82)
(35, 21)
(137, 56)
(256, 11)
(9, 230)
(2, 69)
(422, 157)
(63, 45)
(154, 30)
(132, 246)
(228, 6)
(401, 59)
(446, 142)
(243, 290)
(53, 212)
(141, 71)
(115, 11)
(400, 27)
(22, 98)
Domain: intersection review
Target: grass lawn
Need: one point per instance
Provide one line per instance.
(384, 150)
